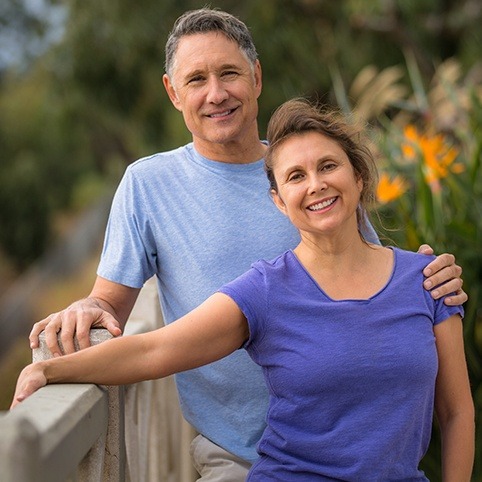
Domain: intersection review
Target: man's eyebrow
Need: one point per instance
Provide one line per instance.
(194, 73)
(230, 66)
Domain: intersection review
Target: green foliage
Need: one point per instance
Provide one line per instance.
(36, 172)
(21, 195)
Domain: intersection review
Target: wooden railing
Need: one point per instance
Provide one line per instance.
(99, 434)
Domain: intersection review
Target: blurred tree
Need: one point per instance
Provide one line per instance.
(94, 101)
(38, 167)
(27, 29)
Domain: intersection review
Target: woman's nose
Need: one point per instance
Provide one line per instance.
(317, 183)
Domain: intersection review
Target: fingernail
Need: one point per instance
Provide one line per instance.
(428, 284)
(435, 293)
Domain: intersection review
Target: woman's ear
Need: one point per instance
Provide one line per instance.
(360, 184)
(279, 203)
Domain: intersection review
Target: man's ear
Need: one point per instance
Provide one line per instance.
(279, 203)
(171, 92)
(258, 78)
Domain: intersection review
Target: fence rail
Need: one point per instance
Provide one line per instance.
(48, 448)
(82, 432)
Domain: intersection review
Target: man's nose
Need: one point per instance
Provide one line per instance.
(216, 91)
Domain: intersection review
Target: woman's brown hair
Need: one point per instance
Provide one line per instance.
(298, 116)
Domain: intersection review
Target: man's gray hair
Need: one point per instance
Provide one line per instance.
(207, 20)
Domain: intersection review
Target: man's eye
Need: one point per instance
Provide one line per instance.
(194, 80)
(229, 74)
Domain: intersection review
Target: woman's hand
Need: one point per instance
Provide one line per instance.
(31, 378)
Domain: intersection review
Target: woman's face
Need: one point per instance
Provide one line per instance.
(317, 186)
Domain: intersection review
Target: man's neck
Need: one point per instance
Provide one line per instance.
(232, 153)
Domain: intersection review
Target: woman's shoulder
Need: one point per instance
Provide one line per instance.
(277, 263)
(410, 261)
(412, 255)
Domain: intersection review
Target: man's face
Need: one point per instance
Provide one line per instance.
(216, 88)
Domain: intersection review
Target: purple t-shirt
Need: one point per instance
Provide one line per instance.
(351, 382)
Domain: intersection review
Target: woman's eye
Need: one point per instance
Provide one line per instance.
(328, 166)
(295, 177)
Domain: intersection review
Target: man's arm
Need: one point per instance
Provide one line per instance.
(444, 277)
(108, 305)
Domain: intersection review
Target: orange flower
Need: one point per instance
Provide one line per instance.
(390, 189)
(409, 148)
(437, 154)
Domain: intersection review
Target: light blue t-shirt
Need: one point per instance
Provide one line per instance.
(197, 224)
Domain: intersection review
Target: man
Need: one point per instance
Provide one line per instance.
(197, 217)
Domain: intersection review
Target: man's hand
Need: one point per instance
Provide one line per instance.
(76, 320)
(443, 277)
(108, 306)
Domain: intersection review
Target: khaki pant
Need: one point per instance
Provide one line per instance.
(215, 464)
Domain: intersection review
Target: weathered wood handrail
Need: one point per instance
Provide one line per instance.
(91, 434)
(68, 430)
(50, 447)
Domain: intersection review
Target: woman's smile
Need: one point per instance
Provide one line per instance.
(320, 205)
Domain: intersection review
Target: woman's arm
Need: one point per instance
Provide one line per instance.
(453, 402)
(211, 331)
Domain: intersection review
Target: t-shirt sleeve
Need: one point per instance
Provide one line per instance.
(440, 310)
(128, 255)
(249, 292)
(443, 311)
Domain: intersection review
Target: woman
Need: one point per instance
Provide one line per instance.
(355, 353)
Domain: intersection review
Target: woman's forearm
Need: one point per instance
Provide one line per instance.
(453, 402)
(118, 361)
(114, 362)
(458, 435)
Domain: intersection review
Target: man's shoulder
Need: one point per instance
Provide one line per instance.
(165, 160)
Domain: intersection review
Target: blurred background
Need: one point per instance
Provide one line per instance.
(81, 97)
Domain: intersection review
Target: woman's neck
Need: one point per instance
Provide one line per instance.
(346, 268)
(332, 254)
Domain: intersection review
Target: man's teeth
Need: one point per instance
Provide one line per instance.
(221, 114)
(322, 205)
